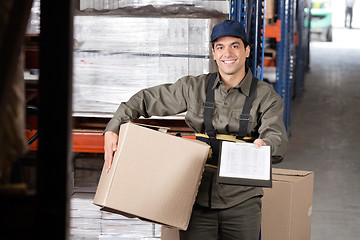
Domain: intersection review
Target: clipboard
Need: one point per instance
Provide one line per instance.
(243, 164)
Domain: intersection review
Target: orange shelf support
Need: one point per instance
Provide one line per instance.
(83, 141)
(88, 142)
(269, 62)
(297, 38)
(273, 31)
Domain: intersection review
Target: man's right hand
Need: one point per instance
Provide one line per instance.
(110, 146)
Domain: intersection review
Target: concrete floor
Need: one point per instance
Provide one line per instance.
(324, 139)
(325, 135)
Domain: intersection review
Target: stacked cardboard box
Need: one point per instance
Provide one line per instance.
(287, 206)
(286, 210)
(270, 11)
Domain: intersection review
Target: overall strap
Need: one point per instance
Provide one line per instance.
(209, 106)
(245, 115)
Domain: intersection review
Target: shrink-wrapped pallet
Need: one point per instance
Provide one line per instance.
(116, 56)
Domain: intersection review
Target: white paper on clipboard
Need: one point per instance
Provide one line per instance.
(244, 160)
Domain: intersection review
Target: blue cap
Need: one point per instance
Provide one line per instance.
(228, 28)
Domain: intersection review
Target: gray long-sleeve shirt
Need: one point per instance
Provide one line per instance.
(189, 94)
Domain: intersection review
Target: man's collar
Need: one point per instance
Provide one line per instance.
(244, 85)
(217, 80)
(246, 82)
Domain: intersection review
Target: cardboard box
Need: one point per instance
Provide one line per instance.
(154, 176)
(169, 233)
(287, 206)
(270, 9)
(286, 210)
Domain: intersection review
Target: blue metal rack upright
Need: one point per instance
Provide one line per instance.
(302, 44)
(257, 31)
(251, 14)
(283, 60)
(285, 56)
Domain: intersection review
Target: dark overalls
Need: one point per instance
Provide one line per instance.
(241, 222)
(209, 105)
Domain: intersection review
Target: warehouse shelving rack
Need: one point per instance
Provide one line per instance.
(291, 61)
(292, 52)
(292, 44)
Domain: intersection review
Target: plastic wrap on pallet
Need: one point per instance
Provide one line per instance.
(101, 82)
(142, 35)
(33, 26)
(219, 5)
(115, 57)
(87, 222)
(269, 74)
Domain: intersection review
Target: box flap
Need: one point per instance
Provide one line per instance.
(290, 172)
(154, 127)
(288, 175)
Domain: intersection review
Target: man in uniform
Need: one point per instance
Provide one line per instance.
(217, 103)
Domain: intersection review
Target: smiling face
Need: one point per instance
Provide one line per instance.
(230, 55)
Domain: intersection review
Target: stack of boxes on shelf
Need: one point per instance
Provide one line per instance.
(31, 43)
(270, 11)
(117, 55)
(270, 41)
